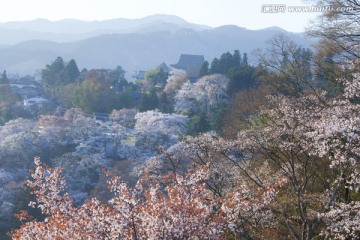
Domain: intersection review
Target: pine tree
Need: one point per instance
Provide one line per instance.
(204, 69)
(72, 71)
(3, 78)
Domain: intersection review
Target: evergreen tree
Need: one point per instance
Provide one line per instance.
(215, 66)
(57, 65)
(3, 78)
(53, 75)
(119, 83)
(236, 68)
(72, 72)
(236, 58)
(204, 69)
(244, 60)
(156, 76)
(227, 62)
(240, 78)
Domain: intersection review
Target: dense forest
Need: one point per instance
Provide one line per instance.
(265, 151)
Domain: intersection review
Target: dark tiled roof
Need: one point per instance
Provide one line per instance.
(104, 117)
(190, 63)
(139, 75)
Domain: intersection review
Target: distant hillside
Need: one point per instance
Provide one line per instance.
(69, 30)
(152, 42)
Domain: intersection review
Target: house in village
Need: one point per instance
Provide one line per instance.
(38, 105)
(139, 75)
(191, 64)
(31, 94)
(101, 117)
(26, 87)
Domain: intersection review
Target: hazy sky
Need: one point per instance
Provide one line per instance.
(209, 12)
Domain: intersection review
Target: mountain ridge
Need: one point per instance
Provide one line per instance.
(140, 48)
(67, 30)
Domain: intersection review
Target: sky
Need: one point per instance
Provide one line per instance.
(213, 13)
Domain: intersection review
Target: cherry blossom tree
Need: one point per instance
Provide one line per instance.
(124, 117)
(207, 92)
(311, 140)
(167, 206)
(159, 129)
(315, 141)
(337, 136)
(81, 171)
(293, 173)
(175, 80)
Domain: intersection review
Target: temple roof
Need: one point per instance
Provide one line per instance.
(190, 63)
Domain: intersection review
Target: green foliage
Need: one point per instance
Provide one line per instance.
(236, 68)
(5, 115)
(119, 81)
(225, 63)
(149, 102)
(7, 97)
(156, 76)
(96, 95)
(241, 77)
(7, 100)
(71, 72)
(258, 121)
(164, 104)
(236, 59)
(98, 91)
(92, 92)
(198, 123)
(91, 97)
(154, 82)
(51, 75)
(204, 69)
(244, 60)
(204, 122)
(216, 117)
(58, 74)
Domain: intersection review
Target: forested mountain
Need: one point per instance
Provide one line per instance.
(149, 42)
(68, 30)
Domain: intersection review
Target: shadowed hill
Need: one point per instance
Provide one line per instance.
(140, 50)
